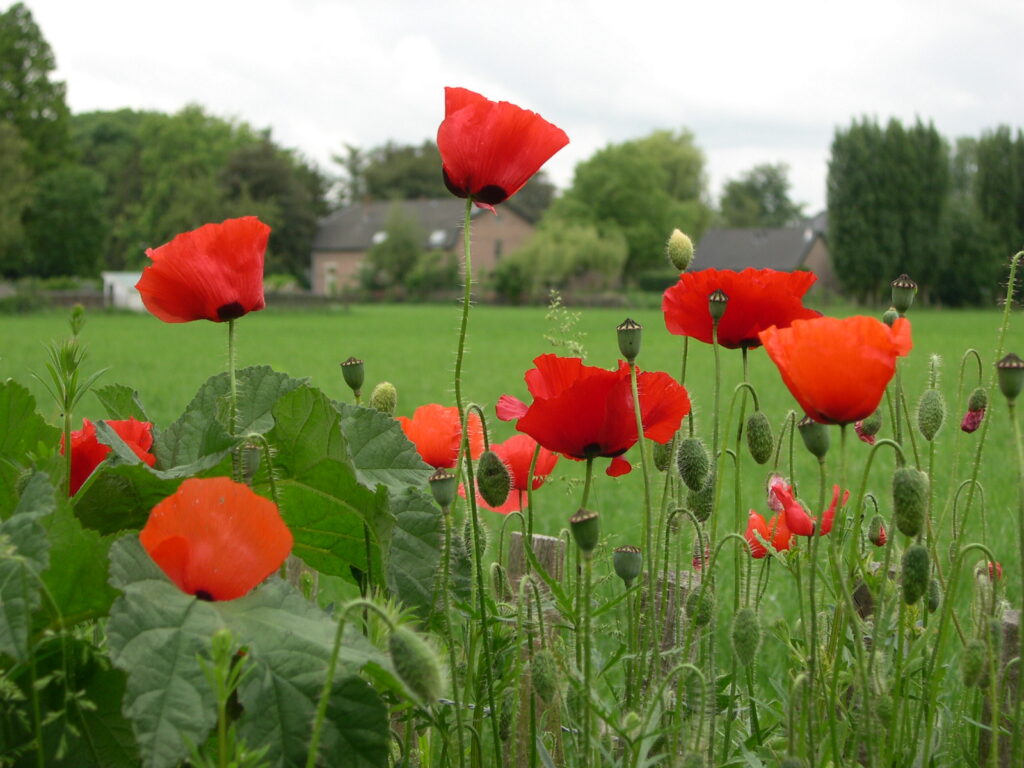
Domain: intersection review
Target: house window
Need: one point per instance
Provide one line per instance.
(437, 238)
(379, 237)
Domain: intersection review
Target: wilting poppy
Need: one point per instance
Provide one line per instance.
(758, 299)
(584, 412)
(838, 369)
(211, 273)
(436, 432)
(215, 538)
(774, 531)
(87, 452)
(798, 520)
(517, 454)
(490, 149)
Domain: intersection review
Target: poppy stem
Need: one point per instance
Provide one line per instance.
(586, 483)
(648, 529)
(236, 467)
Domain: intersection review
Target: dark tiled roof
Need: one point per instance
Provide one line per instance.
(353, 228)
(783, 248)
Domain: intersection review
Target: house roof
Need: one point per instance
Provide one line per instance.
(353, 228)
(783, 248)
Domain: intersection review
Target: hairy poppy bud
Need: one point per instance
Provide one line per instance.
(890, 316)
(903, 291)
(416, 664)
(679, 250)
(867, 428)
(934, 595)
(815, 436)
(931, 411)
(544, 675)
(717, 303)
(630, 333)
(628, 562)
(662, 453)
(693, 463)
(442, 486)
(493, 480)
(876, 531)
(467, 535)
(586, 530)
(915, 574)
(1010, 371)
(973, 662)
(353, 373)
(746, 635)
(976, 405)
(507, 712)
(384, 398)
(909, 499)
(759, 437)
(702, 502)
(699, 606)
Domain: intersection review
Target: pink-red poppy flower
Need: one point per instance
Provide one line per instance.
(87, 452)
(490, 149)
(436, 431)
(584, 412)
(215, 538)
(798, 520)
(775, 531)
(838, 369)
(517, 454)
(758, 299)
(211, 273)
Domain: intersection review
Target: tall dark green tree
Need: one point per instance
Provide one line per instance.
(760, 198)
(65, 224)
(15, 194)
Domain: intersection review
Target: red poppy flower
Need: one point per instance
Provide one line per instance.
(517, 454)
(774, 531)
(797, 519)
(87, 452)
(838, 369)
(211, 273)
(489, 150)
(758, 299)
(215, 538)
(584, 412)
(436, 432)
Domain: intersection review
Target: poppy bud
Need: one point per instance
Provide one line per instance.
(915, 574)
(931, 411)
(544, 675)
(586, 530)
(890, 316)
(973, 662)
(815, 436)
(978, 401)
(662, 453)
(628, 562)
(679, 250)
(416, 665)
(693, 463)
(759, 437)
(442, 486)
(353, 373)
(876, 531)
(699, 606)
(746, 635)
(493, 479)
(699, 557)
(1011, 376)
(867, 428)
(934, 595)
(467, 535)
(903, 291)
(717, 303)
(630, 334)
(507, 712)
(909, 499)
(384, 398)
(702, 502)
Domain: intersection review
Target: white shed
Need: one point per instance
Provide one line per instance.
(119, 291)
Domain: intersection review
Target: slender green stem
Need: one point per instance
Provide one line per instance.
(812, 668)
(588, 735)
(586, 483)
(648, 526)
(236, 463)
(1018, 705)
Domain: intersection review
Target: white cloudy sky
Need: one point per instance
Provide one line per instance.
(756, 81)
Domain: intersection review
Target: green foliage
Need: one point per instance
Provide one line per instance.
(64, 223)
(15, 193)
(390, 261)
(760, 198)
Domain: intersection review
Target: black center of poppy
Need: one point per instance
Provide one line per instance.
(451, 187)
(492, 194)
(591, 450)
(230, 311)
(202, 594)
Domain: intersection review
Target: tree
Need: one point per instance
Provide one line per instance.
(391, 171)
(64, 223)
(391, 260)
(760, 198)
(15, 191)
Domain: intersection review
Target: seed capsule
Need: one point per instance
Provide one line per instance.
(759, 437)
(693, 463)
(915, 575)
(909, 499)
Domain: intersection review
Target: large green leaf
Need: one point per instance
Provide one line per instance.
(22, 430)
(117, 498)
(121, 402)
(415, 552)
(380, 450)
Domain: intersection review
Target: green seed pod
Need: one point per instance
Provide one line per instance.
(815, 436)
(934, 595)
(931, 411)
(628, 562)
(978, 401)
(915, 573)
(384, 398)
(693, 463)
(746, 635)
(974, 662)
(493, 480)
(353, 373)
(442, 486)
(416, 664)
(1010, 371)
(718, 302)
(759, 437)
(662, 455)
(909, 499)
(544, 675)
(507, 712)
(702, 502)
(699, 605)
(586, 530)
(629, 333)
(679, 250)
(903, 291)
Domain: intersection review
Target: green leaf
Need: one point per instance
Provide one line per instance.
(380, 450)
(415, 552)
(121, 402)
(118, 498)
(107, 734)
(22, 430)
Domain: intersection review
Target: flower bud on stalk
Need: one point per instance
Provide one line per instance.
(630, 334)
(493, 479)
(507, 712)
(662, 453)
(354, 374)
(693, 463)
(866, 429)
(973, 662)
(746, 635)
(876, 531)
(1010, 371)
(679, 250)
(931, 412)
(934, 595)
(815, 436)
(628, 562)
(759, 437)
(544, 675)
(384, 398)
(702, 502)
(890, 316)
(903, 291)
(976, 405)
(915, 575)
(909, 499)
(699, 606)
(416, 665)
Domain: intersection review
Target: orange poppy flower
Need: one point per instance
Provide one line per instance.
(436, 432)
(211, 273)
(489, 149)
(774, 531)
(215, 538)
(838, 369)
(87, 452)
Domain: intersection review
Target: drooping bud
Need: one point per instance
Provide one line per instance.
(890, 316)
(628, 562)
(354, 374)
(702, 502)
(866, 429)
(934, 595)
(630, 333)
(693, 463)
(903, 291)
(442, 486)
(815, 436)
(384, 398)
(699, 558)
(876, 531)
(679, 250)
(931, 412)
(915, 573)
(467, 535)
(759, 437)
(493, 479)
(1010, 371)
(544, 675)
(416, 664)
(500, 583)
(746, 635)
(973, 662)
(699, 606)
(978, 401)
(507, 712)
(717, 303)
(662, 453)
(909, 499)
(586, 530)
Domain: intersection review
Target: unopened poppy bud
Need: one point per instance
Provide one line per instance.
(631, 724)
(914, 574)
(416, 665)
(1011, 376)
(903, 291)
(442, 486)
(909, 499)
(931, 412)
(507, 712)
(702, 502)
(693, 463)
(679, 250)
(934, 595)
(544, 675)
(353, 373)
(699, 557)
(759, 437)
(973, 662)
(384, 398)
(662, 453)
(467, 535)
(876, 531)
(978, 401)
(890, 316)
(630, 333)
(717, 303)
(866, 429)
(493, 479)
(746, 635)
(815, 436)
(628, 562)
(699, 606)
(586, 530)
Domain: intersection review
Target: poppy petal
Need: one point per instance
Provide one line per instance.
(618, 467)
(510, 408)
